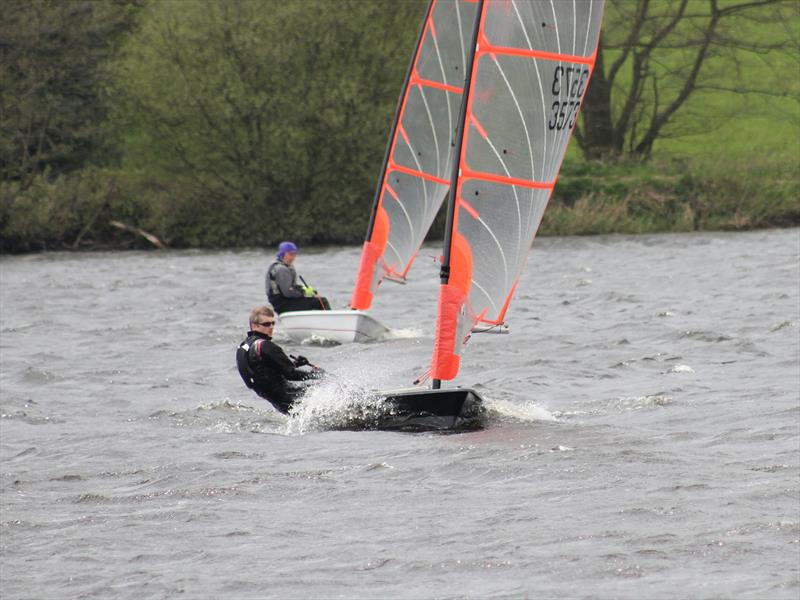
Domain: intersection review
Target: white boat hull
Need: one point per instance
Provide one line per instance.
(340, 326)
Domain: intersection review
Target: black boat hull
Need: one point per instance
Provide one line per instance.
(449, 409)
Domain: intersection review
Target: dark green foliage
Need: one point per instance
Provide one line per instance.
(51, 106)
(69, 211)
(263, 120)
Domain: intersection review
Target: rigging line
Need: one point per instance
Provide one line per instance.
(574, 26)
(435, 39)
(425, 199)
(555, 25)
(541, 95)
(427, 220)
(461, 38)
(435, 137)
(557, 141)
(537, 210)
(439, 193)
(521, 115)
(421, 170)
(523, 248)
(403, 208)
(527, 137)
(588, 27)
(413, 154)
(535, 217)
(451, 133)
(426, 207)
(544, 112)
(452, 130)
(430, 214)
(396, 253)
(485, 293)
(519, 213)
(478, 218)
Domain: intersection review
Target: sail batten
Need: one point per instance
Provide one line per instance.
(421, 149)
(530, 68)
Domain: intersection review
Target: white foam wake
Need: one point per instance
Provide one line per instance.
(335, 403)
(504, 409)
(407, 333)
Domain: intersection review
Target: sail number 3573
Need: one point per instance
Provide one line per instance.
(571, 80)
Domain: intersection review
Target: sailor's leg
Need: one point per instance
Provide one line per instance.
(281, 398)
(294, 304)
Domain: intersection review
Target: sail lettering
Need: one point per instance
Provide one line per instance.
(571, 80)
(557, 80)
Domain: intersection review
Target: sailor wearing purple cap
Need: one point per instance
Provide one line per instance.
(283, 290)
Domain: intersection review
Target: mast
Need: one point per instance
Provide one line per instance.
(452, 197)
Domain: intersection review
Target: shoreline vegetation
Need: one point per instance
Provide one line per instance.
(215, 124)
(106, 210)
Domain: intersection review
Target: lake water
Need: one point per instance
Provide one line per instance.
(644, 441)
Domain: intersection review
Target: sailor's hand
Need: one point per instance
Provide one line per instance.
(309, 292)
(300, 361)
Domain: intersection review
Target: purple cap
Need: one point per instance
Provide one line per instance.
(285, 247)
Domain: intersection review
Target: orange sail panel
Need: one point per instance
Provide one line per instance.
(416, 175)
(531, 67)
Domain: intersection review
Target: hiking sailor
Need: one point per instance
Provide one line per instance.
(265, 367)
(283, 291)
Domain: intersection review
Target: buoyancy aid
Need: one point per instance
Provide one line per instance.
(273, 290)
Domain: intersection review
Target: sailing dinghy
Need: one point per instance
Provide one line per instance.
(331, 326)
(414, 178)
(530, 62)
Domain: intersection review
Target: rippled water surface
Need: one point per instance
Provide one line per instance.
(645, 439)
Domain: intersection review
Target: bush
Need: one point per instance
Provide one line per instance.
(70, 212)
(604, 198)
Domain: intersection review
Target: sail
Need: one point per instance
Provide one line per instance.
(416, 172)
(531, 68)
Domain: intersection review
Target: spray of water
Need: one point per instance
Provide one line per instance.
(345, 403)
(505, 410)
(408, 333)
(318, 340)
(336, 403)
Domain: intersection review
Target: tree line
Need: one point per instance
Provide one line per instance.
(243, 122)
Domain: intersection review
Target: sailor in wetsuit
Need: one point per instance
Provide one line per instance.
(266, 369)
(283, 291)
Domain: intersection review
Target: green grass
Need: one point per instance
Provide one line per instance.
(746, 105)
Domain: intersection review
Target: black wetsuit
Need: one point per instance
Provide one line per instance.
(267, 370)
(285, 294)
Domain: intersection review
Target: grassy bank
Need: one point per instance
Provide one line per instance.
(593, 198)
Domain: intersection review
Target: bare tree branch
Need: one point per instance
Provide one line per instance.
(671, 50)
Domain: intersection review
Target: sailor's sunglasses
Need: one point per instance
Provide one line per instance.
(266, 323)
